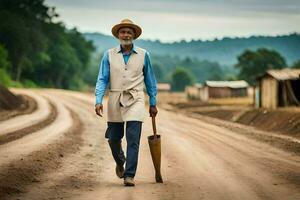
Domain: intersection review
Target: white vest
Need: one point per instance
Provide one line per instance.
(126, 100)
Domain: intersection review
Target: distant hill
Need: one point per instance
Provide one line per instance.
(223, 51)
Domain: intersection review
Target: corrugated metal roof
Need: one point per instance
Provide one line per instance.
(230, 84)
(284, 74)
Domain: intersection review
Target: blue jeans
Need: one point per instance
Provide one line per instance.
(115, 133)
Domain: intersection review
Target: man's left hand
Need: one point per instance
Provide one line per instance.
(153, 111)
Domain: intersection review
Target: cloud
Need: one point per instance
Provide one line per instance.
(190, 6)
(171, 20)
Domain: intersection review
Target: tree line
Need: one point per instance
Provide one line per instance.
(35, 50)
(166, 67)
(250, 64)
(181, 72)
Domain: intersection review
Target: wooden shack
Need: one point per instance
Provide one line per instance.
(225, 89)
(278, 88)
(217, 89)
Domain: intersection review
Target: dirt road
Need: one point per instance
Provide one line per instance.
(59, 152)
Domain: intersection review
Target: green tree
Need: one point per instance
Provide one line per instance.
(253, 63)
(21, 24)
(181, 78)
(41, 51)
(4, 67)
(4, 63)
(296, 65)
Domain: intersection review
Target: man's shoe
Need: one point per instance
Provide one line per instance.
(129, 181)
(120, 171)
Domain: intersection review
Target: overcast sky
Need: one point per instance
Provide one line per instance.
(172, 20)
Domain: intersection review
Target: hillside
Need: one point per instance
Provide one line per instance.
(223, 51)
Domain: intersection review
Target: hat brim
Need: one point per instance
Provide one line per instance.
(115, 29)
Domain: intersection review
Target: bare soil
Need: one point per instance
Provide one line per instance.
(27, 130)
(285, 121)
(281, 121)
(8, 101)
(202, 158)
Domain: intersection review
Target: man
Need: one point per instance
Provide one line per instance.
(125, 69)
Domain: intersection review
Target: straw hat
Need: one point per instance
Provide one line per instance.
(129, 24)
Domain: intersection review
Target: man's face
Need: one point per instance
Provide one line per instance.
(126, 36)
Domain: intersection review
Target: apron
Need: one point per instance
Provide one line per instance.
(126, 99)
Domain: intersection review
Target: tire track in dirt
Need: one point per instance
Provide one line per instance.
(286, 143)
(29, 106)
(217, 132)
(25, 169)
(22, 121)
(238, 142)
(8, 137)
(278, 140)
(79, 171)
(204, 179)
(234, 172)
(210, 141)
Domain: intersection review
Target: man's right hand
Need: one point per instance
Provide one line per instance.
(99, 109)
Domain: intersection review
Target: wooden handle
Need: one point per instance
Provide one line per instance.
(154, 126)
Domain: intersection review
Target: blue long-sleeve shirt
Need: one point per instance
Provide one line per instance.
(104, 73)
